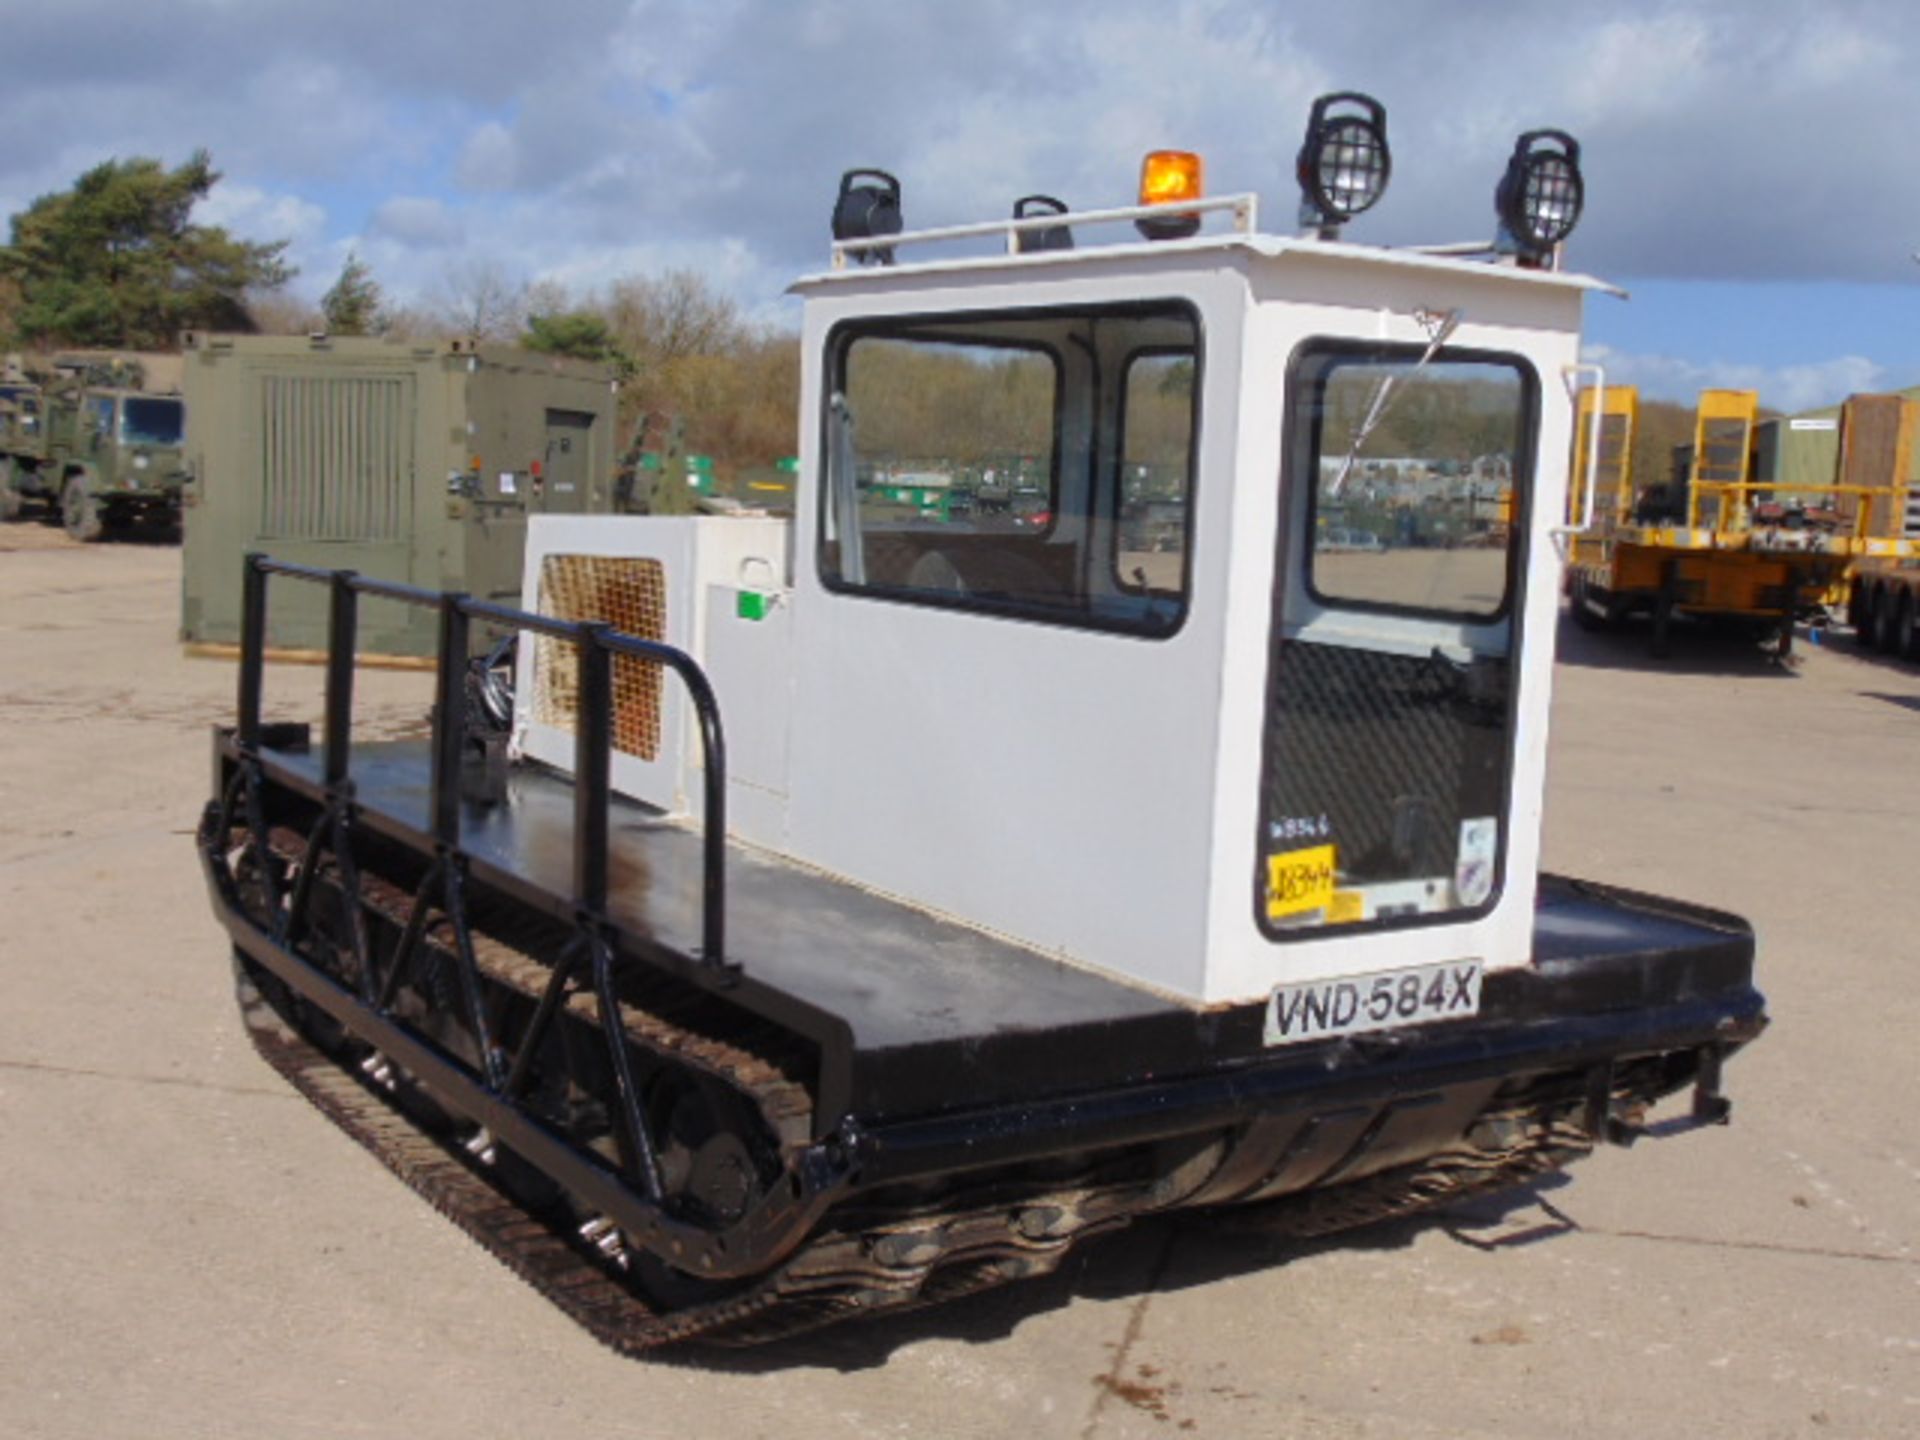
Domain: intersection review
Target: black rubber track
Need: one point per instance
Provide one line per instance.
(885, 1261)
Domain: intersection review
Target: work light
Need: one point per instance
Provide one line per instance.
(1051, 237)
(868, 209)
(1540, 196)
(1344, 161)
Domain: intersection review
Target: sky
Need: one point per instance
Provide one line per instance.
(1747, 161)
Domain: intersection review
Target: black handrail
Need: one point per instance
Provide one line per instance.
(597, 643)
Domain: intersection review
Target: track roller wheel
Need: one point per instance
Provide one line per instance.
(706, 1149)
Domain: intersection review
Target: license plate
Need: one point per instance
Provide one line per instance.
(1358, 1004)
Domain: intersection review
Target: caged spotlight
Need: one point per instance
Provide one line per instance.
(1048, 237)
(1540, 197)
(866, 211)
(1344, 161)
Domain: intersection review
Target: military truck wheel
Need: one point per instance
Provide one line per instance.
(80, 511)
(10, 502)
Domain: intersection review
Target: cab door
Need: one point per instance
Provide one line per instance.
(1386, 786)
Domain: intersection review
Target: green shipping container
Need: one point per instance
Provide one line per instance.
(411, 462)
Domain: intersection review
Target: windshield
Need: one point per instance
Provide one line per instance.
(151, 422)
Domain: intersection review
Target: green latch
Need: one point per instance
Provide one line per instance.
(752, 604)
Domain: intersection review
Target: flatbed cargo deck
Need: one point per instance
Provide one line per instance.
(889, 992)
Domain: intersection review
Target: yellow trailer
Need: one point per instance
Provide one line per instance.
(1721, 543)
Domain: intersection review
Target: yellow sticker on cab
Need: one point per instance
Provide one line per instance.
(1299, 880)
(1344, 907)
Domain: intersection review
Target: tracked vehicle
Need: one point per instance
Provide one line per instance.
(858, 910)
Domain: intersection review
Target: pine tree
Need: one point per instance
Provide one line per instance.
(116, 261)
(354, 305)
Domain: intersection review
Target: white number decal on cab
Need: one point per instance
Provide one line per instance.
(1362, 1003)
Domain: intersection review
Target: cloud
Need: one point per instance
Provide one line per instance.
(1789, 388)
(257, 214)
(417, 221)
(1721, 138)
(251, 210)
(488, 161)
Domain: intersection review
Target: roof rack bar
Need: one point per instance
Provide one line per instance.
(1244, 208)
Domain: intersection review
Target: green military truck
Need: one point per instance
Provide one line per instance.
(87, 440)
(417, 462)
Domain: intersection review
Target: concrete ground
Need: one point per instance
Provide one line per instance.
(188, 1249)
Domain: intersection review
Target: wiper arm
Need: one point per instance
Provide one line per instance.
(1440, 324)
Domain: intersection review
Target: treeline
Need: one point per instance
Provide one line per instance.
(915, 403)
(694, 370)
(117, 263)
(1429, 415)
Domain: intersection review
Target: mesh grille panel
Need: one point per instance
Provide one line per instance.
(629, 594)
(1394, 751)
(336, 454)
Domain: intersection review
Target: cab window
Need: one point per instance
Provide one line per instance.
(151, 422)
(1155, 455)
(1030, 464)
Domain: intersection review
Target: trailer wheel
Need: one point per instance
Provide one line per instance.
(80, 511)
(1905, 639)
(1885, 618)
(1577, 602)
(1663, 606)
(1860, 616)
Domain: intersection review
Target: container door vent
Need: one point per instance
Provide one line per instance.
(631, 595)
(336, 454)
